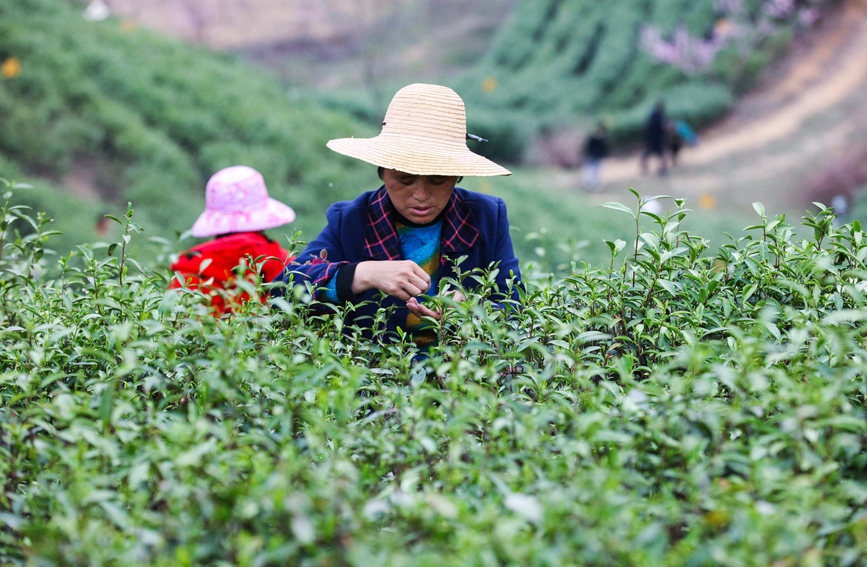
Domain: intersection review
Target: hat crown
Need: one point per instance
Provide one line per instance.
(236, 189)
(430, 112)
(236, 200)
(424, 133)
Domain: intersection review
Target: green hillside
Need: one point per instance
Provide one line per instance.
(149, 120)
(564, 62)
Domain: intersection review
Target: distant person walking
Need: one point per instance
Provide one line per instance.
(595, 150)
(655, 139)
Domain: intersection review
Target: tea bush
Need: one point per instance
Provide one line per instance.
(672, 408)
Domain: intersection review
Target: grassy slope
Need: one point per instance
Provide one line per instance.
(153, 118)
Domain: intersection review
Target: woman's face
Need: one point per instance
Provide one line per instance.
(419, 198)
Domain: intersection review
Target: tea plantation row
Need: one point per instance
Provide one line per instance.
(678, 408)
(113, 113)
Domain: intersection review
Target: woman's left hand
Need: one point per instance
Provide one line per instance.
(419, 310)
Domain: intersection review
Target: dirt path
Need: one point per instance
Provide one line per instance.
(807, 113)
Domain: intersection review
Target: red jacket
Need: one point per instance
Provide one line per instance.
(225, 254)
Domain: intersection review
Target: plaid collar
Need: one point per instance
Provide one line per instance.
(380, 236)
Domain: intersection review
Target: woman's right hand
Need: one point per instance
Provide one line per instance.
(400, 278)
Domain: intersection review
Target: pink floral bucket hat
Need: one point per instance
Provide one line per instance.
(236, 200)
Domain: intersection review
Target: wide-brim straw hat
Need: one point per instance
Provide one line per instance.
(424, 133)
(236, 200)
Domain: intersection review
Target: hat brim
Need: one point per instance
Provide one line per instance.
(418, 156)
(272, 215)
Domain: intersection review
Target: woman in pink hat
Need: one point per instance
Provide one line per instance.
(237, 210)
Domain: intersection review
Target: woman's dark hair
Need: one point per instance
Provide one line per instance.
(380, 171)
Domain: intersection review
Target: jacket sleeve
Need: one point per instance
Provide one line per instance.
(322, 258)
(505, 254)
